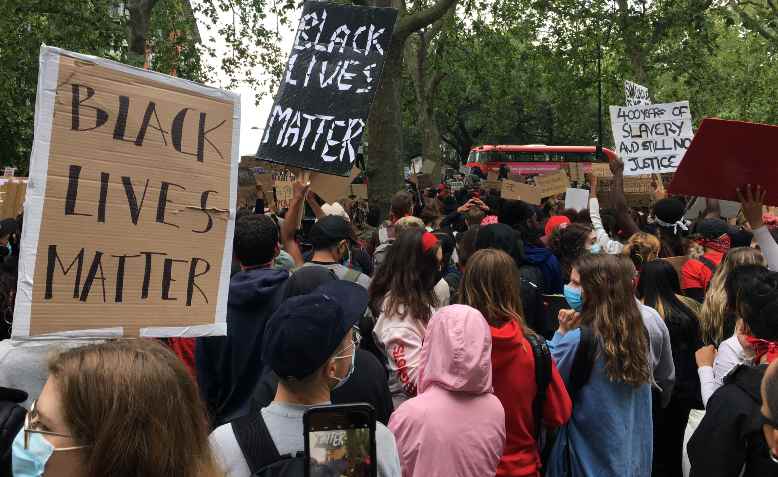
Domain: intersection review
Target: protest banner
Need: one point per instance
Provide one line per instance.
(9, 172)
(577, 199)
(284, 192)
(636, 94)
(358, 191)
(651, 139)
(130, 206)
(12, 193)
(726, 155)
(333, 188)
(334, 69)
(600, 169)
(422, 181)
(519, 191)
(492, 185)
(554, 183)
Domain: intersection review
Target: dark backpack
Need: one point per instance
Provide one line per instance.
(542, 378)
(11, 421)
(260, 451)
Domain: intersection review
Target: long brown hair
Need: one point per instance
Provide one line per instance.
(610, 308)
(490, 284)
(135, 406)
(642, 248)
(406, 279)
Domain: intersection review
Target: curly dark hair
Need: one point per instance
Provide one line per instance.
(406, 279)
(568, 244)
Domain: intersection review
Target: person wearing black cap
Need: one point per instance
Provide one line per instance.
(696, 274)
(310, 343)
(228, 367)
(331, 237)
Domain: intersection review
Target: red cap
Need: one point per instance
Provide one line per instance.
(554, 222)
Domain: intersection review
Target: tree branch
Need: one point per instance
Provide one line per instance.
(417, 21)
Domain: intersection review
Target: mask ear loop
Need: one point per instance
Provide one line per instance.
(773, 457)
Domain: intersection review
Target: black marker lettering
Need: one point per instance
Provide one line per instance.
(53, 260)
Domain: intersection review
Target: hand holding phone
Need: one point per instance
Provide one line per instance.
(340, 441)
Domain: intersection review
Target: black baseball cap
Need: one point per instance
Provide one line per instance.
(329, 230)
(307, 329)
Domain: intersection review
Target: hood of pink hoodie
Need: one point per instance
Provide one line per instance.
(457, 352)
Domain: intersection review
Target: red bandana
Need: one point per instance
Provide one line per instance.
(763, 347)
(721, 244)
(428, 240)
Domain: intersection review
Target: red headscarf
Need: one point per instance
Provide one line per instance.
(428, 240)
(721, 244)
(763, 348)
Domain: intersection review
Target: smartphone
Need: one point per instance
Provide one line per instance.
(340, 441)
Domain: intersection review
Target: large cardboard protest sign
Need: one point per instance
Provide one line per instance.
(129, 214)
(636, 94)
(519, 191)
(551, 184)
(333, 72)
(726, 155)
(652, 139)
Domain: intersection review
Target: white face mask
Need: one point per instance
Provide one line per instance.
(342, 381)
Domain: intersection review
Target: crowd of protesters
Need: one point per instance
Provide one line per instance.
(491, 337)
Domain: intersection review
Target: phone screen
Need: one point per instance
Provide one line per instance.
(341, 444)
(341, 452)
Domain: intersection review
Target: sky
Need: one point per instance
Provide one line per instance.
(252, 115)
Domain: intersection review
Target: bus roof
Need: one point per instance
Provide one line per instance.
(539, 148)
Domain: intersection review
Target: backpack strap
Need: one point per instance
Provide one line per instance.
(542, 378)
(255, 441)
(583, 362)
(708, 263)
(351, 275)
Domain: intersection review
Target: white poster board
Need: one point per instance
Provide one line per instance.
(577, 199)
(636, 94)
(652, 139)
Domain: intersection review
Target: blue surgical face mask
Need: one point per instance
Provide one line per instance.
(596, 249)
(30, 462)
(573, 297)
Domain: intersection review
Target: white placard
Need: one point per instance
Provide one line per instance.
(636, 94)
(652, 139)
(577, 199)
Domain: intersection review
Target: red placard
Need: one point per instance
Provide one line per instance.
(725, 155)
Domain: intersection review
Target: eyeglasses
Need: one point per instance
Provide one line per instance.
(30, 424)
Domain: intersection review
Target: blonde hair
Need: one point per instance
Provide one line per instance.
(714, 308)
(642, 248)
(136, 407)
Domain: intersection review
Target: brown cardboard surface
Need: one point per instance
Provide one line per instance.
(332, 188)
(553, 183)
(12, 194)
(492, 176)
(359, 191)
(491, 185)
(131, 268)
(600, 169)
(519, 191)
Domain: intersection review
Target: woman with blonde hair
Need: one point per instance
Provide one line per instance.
(717, 322)
(121, 408)
(642, 248)
(489, 285)
(610, 431)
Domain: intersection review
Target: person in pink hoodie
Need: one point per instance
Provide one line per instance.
(455, 426)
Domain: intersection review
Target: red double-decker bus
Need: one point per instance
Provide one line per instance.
(534, 159)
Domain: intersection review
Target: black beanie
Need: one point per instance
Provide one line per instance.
(711, 228)
(669, 210)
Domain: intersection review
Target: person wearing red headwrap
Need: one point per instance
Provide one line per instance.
(696, 274)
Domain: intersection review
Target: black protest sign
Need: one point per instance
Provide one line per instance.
(333, 72)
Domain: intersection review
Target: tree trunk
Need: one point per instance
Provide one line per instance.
(137, 29)
(384, 130)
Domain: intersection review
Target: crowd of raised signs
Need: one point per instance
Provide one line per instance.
(491, 336)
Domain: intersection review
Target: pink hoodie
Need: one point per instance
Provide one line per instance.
(455, 426)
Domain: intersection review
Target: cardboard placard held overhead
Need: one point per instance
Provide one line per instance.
(359, 191)
(519, 191)
(551, 184)
(491, 185)
(726, 155)
(12, 193)
(600, 169)
(130, 207)
(332, 188)
(652, 139)
(334, 69)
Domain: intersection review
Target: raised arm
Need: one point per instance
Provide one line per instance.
(752, 200)
(619, 201)
(289, 227)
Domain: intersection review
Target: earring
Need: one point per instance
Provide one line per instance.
(773, 457)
